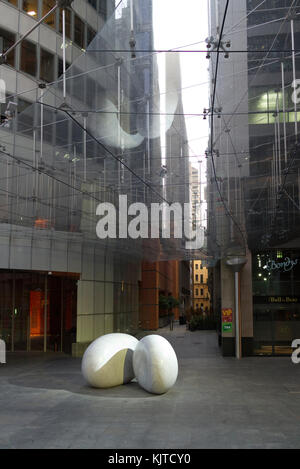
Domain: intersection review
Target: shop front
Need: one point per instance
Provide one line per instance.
(276, 301)
(38, 310)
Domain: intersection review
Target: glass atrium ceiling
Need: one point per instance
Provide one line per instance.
(142, 106)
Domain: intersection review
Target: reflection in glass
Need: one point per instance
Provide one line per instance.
(79, 32)
(31, 7)
(28, 57)
(47, 6)
(47, 66)
(6, 40)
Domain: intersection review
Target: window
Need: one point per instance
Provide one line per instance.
(102, 8)
(68, 22)
(197, 277)
(47, 6)
(90, 35)
(31, 8)
(6, 40)
(13, 2)
(197, 291)
(93, 3)
(201, 278)
(47, 66)
(201, 292)
(25, 119)
(28, 57)
(197, 266)
(60, 67)
(79, 32)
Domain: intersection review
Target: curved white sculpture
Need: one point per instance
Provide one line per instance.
(155, 364)
(107, 361)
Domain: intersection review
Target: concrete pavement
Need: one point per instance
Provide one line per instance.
(216, 403)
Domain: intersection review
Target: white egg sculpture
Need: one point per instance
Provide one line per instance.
(155, 364)
(107, 361)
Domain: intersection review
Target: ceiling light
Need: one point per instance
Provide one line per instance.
(31, 13)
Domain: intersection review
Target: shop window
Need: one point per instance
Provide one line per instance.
(47, 66)
(90, 35)
(47, 6)
(28, 57)
(68, 22)
(79, 32)
(6, 40)
(31, 8)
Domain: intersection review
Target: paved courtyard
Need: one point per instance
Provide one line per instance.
(216, 403)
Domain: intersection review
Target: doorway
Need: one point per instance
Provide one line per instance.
(38, 310)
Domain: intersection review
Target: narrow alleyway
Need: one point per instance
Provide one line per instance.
(216, 403)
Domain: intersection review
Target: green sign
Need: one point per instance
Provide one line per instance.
(227, 326)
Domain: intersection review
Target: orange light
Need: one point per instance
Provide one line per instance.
(41, 223)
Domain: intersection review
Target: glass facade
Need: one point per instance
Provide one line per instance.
(47, 66)
(47, 6)
(31, 7)
(276, 301)
(7, 39)
(28, 58)
(79, 32)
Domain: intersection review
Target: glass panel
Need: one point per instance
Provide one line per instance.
(93, 3)
(7, 39)
(47, 66)
(60, 67)
(21, 311)
(6, 306)
(102, 8)
(31, 7)
(13, 2)
(79, 32)
(47, 6)
(28, 58)
(90, 34)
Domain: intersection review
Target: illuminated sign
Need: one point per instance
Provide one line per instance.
(227, 320)
(284, 266)
(276, 299)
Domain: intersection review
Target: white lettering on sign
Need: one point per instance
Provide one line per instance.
(286, 265)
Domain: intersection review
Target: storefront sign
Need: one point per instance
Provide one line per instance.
(276, 299)
(284, 266)
(226, 320)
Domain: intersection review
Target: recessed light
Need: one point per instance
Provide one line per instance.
(31, 13)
